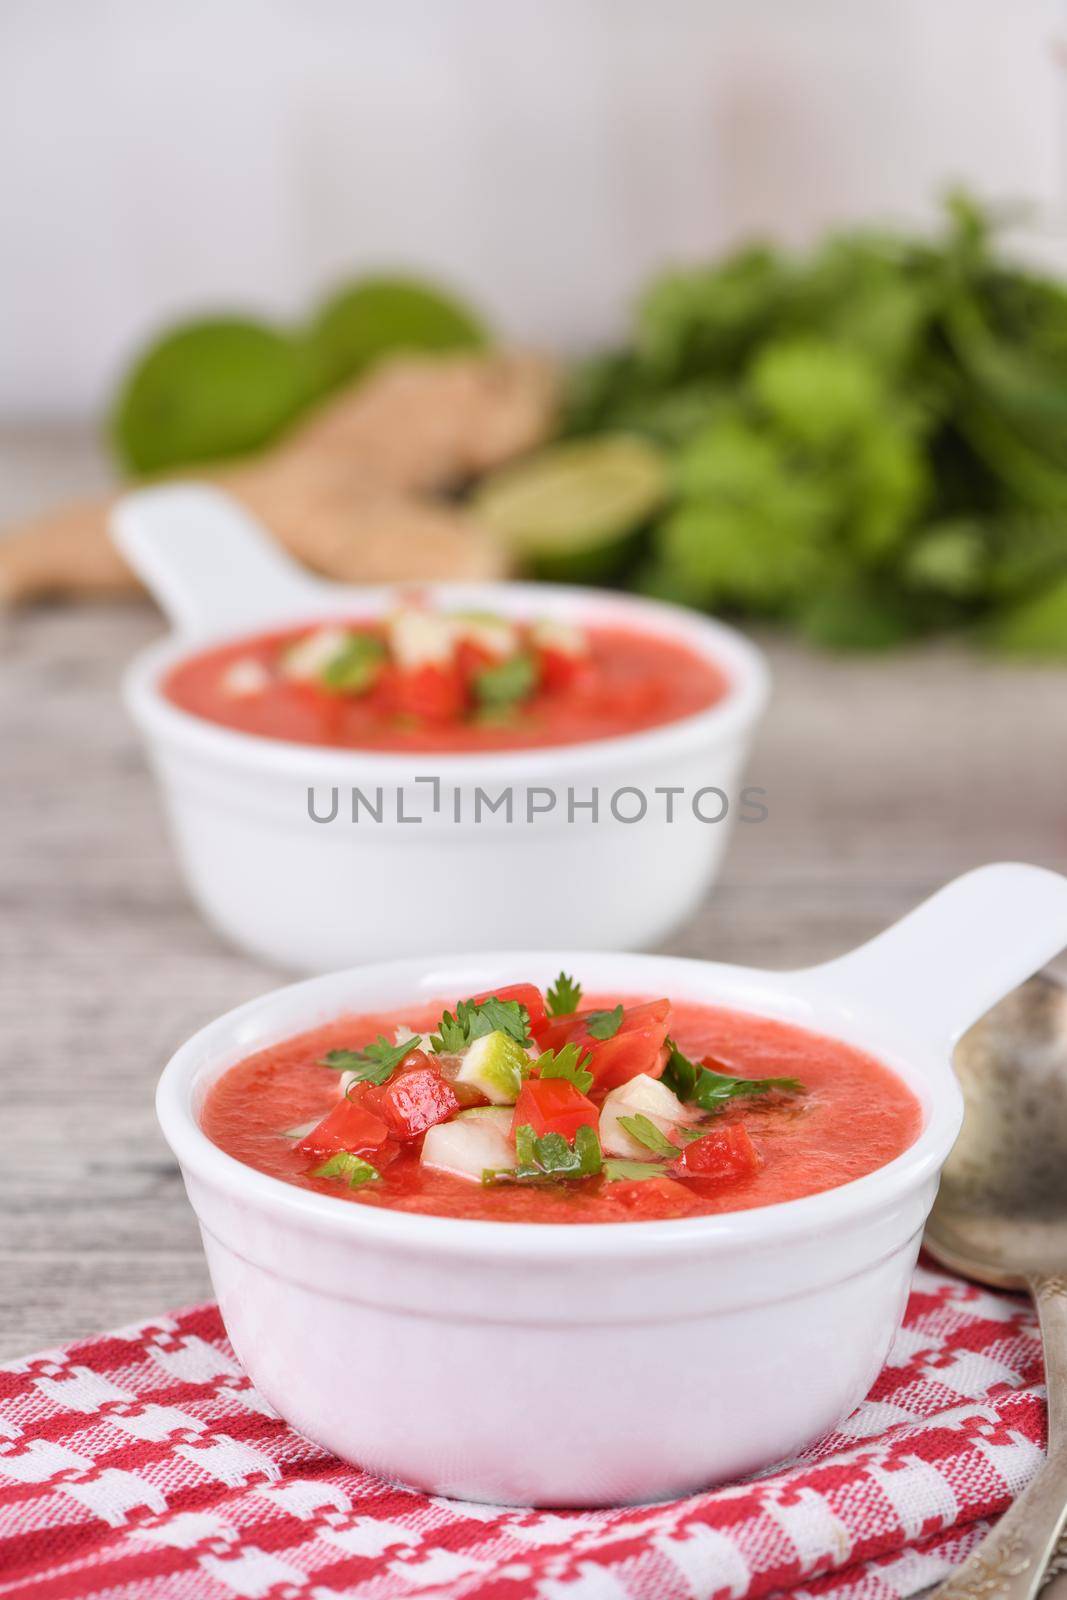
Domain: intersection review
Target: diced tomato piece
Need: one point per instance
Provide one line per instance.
(349, 1126)
(637, 1046)
(432, 693)
(527, 994)
(648, 1015)
(654, 1197)
(725, 1153)
(553, 1105)
(472, 659)
(558, 671)
(415, 1098)
(615, 1061)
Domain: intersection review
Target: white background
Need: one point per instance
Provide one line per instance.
(163, 156)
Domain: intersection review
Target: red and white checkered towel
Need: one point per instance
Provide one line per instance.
(143, 1463)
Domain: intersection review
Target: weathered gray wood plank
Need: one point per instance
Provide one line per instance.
(884, 777)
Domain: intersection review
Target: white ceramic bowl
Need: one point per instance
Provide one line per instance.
(600, 1364)
(311, 896)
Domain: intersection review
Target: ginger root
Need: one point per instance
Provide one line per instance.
(353, 492)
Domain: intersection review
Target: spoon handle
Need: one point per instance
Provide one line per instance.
(1010, 1562)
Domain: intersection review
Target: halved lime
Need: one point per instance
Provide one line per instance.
(573, 512)
(208, 391)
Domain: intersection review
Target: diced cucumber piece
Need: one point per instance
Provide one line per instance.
(421, 639)
(499, 1117)
(309, 657)
(574, 512)
(245, 678)
(301, 1130)
(562, 637)
(466, 1147)
(495, 635)
(496, 1066)
(642, 1096)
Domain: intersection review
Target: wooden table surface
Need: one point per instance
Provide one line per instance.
(885, 776)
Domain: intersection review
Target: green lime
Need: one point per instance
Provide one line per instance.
(208, 391)
(573, 513)
(375, 317)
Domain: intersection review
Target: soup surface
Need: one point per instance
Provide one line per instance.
(616, 1109)
(423, 680)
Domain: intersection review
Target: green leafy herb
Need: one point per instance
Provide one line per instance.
(475, 1019)
(506, 682)
(375, 1063)
(352, 1169)
(857, 436)
(710, 1090)
(614, 1170)
(563, 996)
(645, 1132)
(567, 1063)
(356, 666)
(551, 1157)
(604, 1024)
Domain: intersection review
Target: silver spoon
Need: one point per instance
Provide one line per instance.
(1001, 1218)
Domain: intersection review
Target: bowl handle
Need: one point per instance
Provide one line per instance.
(211, 565)
(946, 963)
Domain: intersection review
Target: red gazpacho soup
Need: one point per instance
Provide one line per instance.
(426, 680)
(523, 1106)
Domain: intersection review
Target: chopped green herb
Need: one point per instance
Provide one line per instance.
(551, 1156)
(604, 1024)
(615, 1170)
(375, 1063)
(563, 996)
(475, 1019)
(644, 1130)
(354, 668)
(567, 1063)
(353, 1169)
(506, 682)
(709, 1090)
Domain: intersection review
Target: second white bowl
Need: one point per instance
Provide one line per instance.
(314, 895)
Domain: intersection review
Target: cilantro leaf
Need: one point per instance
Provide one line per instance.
(566, 1063)
(562, 997)
(604, 1024)
(356, 666)
(353, 1169)
(474, 1019)
(644, 1130)
(551, 1156)
(375, 1063)
(710, 1090)
(506, 682)
(614, 1170)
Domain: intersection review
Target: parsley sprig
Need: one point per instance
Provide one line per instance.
(551, 1156)
(563, 996)
(710, 1090)
(356, 666)
(375, 1063)
(616, 1170)
(644, 1130)
(566, 1063)
(474, 1019)
(505, 683)
(604, 1024)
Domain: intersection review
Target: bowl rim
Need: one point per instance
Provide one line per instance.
(787, 996)
(724, 646)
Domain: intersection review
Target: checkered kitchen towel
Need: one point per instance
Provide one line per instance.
(143, 1464)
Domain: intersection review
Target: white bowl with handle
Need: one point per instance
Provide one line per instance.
(597, 1364)
(311, 895)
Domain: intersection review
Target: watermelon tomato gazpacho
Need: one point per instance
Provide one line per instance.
(428, 680)
(520, 1106)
